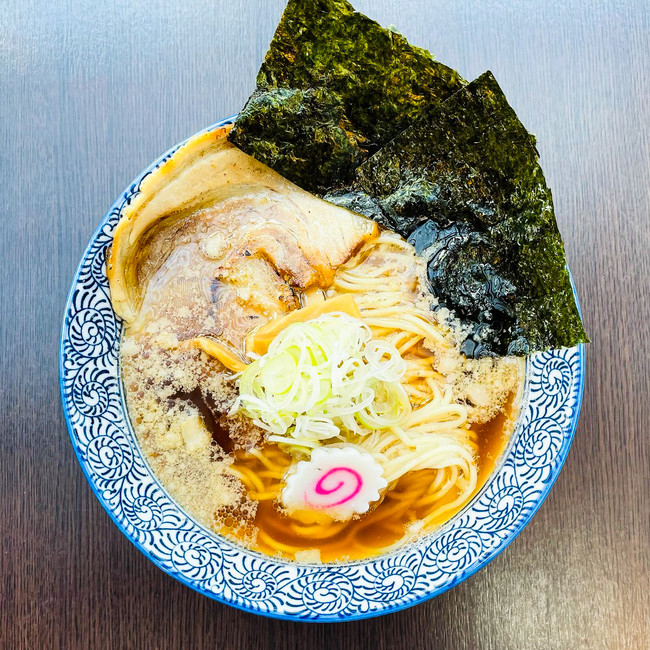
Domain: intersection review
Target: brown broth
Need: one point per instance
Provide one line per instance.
(279, 534)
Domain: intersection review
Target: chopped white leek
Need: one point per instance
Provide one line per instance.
(322, 378)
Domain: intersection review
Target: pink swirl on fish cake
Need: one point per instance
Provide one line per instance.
(322, 490)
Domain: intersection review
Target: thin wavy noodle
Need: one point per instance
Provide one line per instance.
(431, 461)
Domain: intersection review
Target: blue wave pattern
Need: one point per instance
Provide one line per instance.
(200, 558)
(325, 592)
(140, 506)
(394, 578)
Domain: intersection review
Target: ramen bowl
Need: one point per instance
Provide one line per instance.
(109, 454)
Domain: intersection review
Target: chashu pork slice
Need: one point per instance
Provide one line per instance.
(243, 210)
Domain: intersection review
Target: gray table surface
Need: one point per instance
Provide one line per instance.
(91, 92)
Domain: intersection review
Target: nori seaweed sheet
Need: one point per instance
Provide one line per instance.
(334, 87)
(464, 185)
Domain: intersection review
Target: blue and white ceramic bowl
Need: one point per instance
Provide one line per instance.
(109, 455)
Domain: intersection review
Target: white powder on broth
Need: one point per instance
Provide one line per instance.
(177, 396)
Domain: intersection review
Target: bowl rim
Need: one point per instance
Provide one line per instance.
(568, 433)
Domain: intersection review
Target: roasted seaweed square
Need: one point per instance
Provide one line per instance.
(334, 87)
(465, 181)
